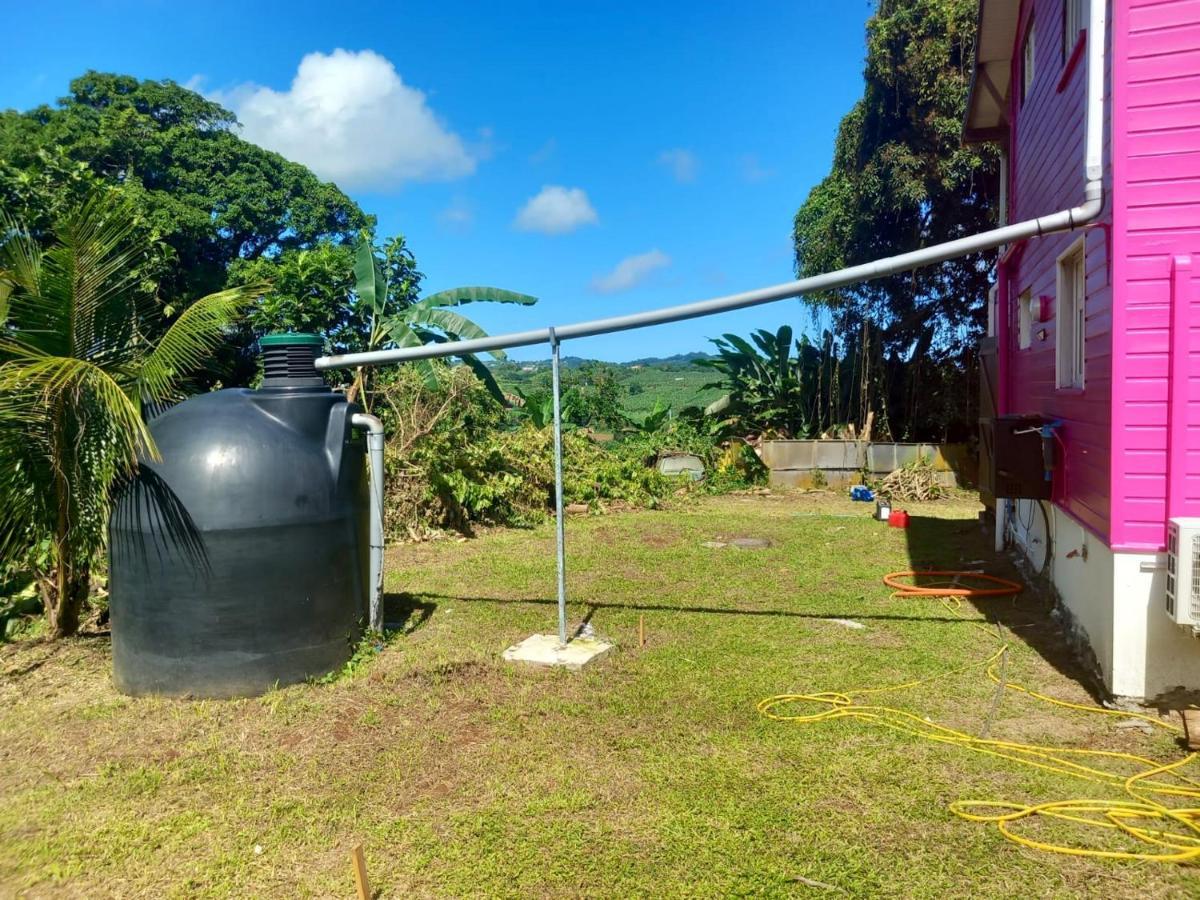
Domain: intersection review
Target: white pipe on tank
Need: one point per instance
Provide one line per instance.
(374, 429)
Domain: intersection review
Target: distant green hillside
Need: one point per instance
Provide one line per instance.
(674, 380)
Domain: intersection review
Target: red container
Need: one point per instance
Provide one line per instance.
(898, 519)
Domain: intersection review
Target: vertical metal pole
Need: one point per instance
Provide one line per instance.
(558, 494)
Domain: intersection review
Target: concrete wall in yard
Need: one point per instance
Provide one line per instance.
(814, 464)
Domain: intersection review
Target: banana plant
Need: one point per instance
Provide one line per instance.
(765, 384)
(537, 408)
(385, 288)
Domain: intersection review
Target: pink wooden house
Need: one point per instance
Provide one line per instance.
(1100, 327)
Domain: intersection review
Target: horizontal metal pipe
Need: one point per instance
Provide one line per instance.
(1065, 220)
(1060, 221)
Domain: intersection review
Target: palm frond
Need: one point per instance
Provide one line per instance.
(90, 275)
(20, 256)
(64, 383)
(191, 339)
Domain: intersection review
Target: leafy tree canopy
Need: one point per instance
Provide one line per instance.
(209, 196)
(901, 179)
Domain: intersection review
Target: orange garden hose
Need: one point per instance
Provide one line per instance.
(1161, 832)
(1006, 588)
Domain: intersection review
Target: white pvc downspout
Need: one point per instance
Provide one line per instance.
(374, 430)
(1001, 502)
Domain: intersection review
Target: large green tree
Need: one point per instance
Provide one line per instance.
(902, 179)
(213, 196)
(206, 200)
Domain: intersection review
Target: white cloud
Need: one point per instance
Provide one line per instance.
(682, 163)
(458, 216)
(350, 118)
(556, 210)
(630, 272)
(753, 170)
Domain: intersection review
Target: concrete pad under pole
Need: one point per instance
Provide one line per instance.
(547, 651)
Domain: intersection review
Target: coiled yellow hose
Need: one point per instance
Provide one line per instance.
(1163, 833)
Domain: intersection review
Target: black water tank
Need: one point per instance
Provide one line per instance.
(239, 561)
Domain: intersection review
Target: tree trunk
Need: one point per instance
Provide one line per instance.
(70, 579)
(65, 597)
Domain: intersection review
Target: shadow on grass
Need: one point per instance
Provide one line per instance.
(405, 603)
(963, 544)
(404, 613)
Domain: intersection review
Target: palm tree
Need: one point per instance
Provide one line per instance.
(386, 290)
(78, 365)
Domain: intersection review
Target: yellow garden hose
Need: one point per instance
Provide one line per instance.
(1162, 832)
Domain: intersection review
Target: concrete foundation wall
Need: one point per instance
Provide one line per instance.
(1114, 603)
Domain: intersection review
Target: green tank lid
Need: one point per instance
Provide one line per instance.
(291, 338)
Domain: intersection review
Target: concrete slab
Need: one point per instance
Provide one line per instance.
(751, 543)
(543, 650)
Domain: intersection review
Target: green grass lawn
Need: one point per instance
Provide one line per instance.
(650, 774)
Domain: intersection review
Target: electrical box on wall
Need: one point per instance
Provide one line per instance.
(1019, 469)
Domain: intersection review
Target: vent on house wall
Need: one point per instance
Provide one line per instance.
(1183, 572)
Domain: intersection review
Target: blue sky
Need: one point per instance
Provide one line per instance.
(604, 157)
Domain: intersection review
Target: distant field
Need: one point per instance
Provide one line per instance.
(676, 381)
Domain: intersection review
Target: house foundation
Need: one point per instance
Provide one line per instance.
(1113, 602)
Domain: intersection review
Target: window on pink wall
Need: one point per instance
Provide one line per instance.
(1075, 17)
(1070, 317)
(1027, 61)
(1025, 320)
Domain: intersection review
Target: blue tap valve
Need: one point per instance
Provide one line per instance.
(1047, 432)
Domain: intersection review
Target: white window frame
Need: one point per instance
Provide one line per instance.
(1075, 20)
(1025, 319)
(1028, 59)
(1070, 317)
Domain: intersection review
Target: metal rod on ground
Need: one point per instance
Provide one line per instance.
(559, 524)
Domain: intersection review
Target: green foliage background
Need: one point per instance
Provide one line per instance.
(216, 210)
(902, 179)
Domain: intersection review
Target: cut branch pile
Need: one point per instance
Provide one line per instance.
(912, 483)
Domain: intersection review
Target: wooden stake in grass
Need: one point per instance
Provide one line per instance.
(642, 630)
(359, 862)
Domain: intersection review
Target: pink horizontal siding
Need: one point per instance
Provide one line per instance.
(1046, 174)
(1156, 216)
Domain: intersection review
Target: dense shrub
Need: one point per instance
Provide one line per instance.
(455, 461)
